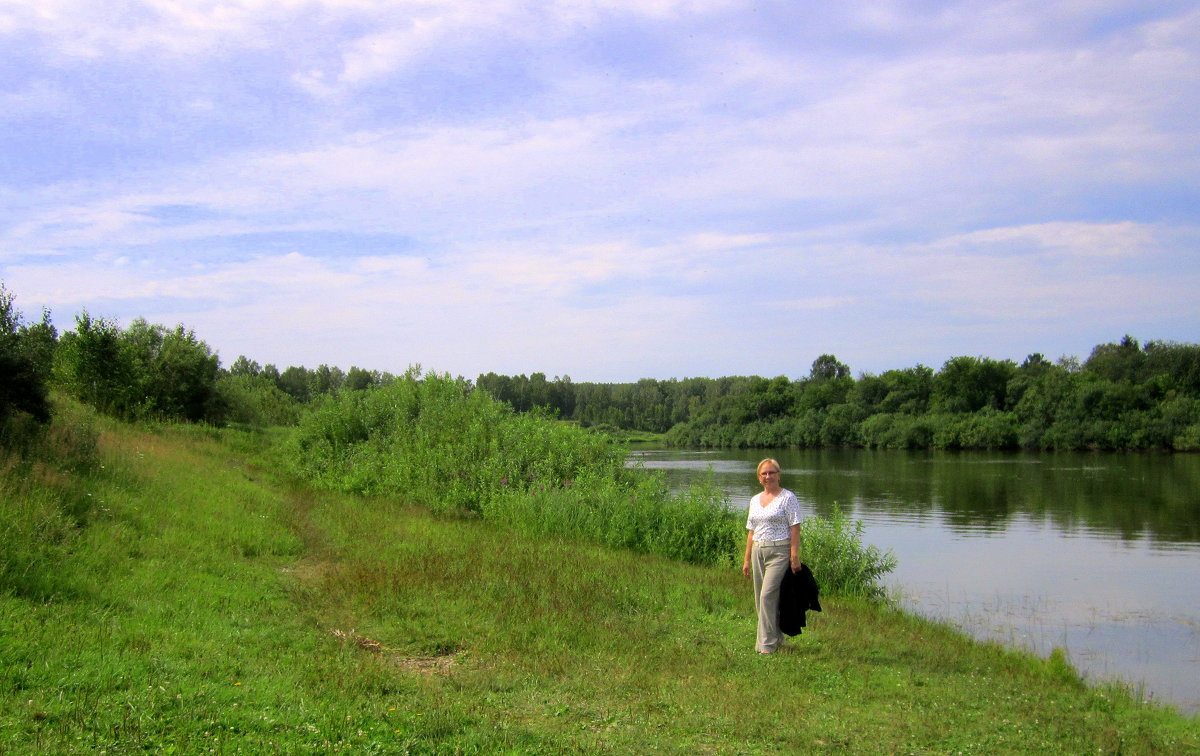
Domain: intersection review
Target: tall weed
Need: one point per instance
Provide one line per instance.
(44, 501)
(35, 535)
(434, 439)
(638, 513)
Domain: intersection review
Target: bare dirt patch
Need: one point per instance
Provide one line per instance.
(426, 665)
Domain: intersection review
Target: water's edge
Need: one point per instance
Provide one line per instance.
(1092, 554)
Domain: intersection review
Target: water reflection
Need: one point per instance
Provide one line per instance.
(1096, 554)
(1128, 496)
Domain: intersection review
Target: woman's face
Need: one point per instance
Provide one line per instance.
(768, 475)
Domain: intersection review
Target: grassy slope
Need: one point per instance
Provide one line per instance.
(198, 614)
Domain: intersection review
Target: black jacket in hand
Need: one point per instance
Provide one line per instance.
(797, 594)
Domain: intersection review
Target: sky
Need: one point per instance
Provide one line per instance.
(606, 189)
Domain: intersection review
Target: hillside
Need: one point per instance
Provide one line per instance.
(190, 600)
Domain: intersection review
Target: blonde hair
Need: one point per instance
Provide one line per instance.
(767, 461)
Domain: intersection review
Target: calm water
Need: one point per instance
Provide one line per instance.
(1096, 554)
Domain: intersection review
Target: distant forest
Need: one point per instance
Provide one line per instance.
(1124, 396)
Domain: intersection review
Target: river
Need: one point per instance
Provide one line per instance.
(1096, 554)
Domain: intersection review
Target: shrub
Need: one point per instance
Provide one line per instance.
(1188, 439)
(24, 367)
(143, 372)
(435, 439)
(832, 548)
(253, 400)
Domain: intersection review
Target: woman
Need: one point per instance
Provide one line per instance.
(772, 547)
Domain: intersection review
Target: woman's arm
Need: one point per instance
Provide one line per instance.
(794, 538)
(749, 546)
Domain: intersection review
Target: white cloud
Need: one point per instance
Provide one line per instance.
(935, 170)
(1077, 272)
(1064, 240)
(512, 310)
(910, 136)
(402, 29)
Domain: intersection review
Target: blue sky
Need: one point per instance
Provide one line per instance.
(611, 189)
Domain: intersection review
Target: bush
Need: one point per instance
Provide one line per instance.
(897, 431)
(432, 439)
(435, 439)
(143, 372)
(1188, 439)
(832, 548)
(24, 366)
(985, 429)
(253, 400)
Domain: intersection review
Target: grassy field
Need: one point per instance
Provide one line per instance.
(192, 601)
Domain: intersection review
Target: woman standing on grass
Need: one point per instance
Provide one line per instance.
(772, 547)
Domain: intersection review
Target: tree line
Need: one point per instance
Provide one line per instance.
(150, 372)
(1124, 396)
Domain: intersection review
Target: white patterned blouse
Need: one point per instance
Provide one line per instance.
(772, 522)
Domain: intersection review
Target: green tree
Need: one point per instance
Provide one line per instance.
(648, 407)
(326, 379)
(254, 400)
(564, 396)
(358, 379)
(143, 371)
(179, 372)
(1117, 362)
(541, 392)
(93, 365)
(969, 384)
(1179, 362)
(295, 382)
(764, 399)
(25, 357)
(840, 426)
(823, 393)
(827, 366)
(244, 366)
(868, 392)
(908, 390)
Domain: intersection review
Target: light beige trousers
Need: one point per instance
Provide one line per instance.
(770, 560)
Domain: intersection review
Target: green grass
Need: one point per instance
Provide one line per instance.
(201, 604)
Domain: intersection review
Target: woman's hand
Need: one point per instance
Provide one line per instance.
(746, 569)
(795, 564)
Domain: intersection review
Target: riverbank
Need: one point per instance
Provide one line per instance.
(207, 605)
(1090, 553)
